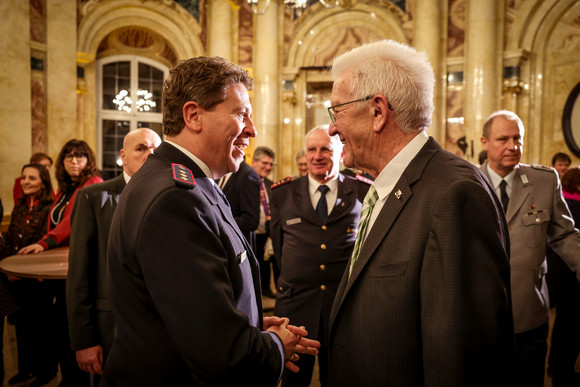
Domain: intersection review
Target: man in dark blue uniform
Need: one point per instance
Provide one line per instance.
(314, 225)
(185, 291)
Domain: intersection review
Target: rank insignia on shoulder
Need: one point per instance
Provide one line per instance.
(542, 167)
(280, 183)
(182, 176)
(364, 179)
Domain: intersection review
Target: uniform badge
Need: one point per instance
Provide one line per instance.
(182, 176)
(524, 179)
(280, 183)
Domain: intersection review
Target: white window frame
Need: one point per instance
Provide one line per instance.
(135, 116)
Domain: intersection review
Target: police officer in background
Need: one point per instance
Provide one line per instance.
(313, 228)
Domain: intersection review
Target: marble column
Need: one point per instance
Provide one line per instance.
(267, 79)
(219, 34)
(428, 18)
(483, 57)
(61, 75)
(15, 95)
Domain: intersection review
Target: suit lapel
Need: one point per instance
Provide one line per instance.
(385, 220)
(519, 191)
(519, 194)
(304, 201)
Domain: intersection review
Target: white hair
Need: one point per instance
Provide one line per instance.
(397, 71)
(334, 139)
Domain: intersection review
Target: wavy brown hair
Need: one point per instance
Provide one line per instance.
(65, 183)
(202, 80)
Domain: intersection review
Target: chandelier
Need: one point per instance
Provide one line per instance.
(124, 102)
(260, 7)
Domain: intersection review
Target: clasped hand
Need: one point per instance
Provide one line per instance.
(293, 338)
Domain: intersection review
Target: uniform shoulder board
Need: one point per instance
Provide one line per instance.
(280, 183)
(364, 179)
(182, 176)
(542, 167)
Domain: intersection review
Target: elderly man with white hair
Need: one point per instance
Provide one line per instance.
(425, 300)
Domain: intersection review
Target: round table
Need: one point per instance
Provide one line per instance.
(49, 264)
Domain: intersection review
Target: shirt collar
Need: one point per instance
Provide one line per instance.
(205, 169)
(126, 177)
(391, 173)
(496, 179)
(313, 185)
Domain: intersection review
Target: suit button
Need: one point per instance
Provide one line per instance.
(322, 267)
(538, 220)
(324, 228)
(323, 246)
(323, 287)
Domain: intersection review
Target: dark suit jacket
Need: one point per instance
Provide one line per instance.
(185, 289)
(87, 290)
(428, 302)
(536, 216)
(312, 255)
(243, 192)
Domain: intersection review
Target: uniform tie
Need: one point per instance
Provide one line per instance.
(365, 214)
(322, 207)
(505, 199)
(221, 193)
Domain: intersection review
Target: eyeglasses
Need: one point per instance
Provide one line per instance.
(332, 109)
(79, 156)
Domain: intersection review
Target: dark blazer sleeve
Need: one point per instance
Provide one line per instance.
(463, 289)
(83, 255)
(248, 187)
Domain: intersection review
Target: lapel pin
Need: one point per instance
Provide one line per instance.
(398, 194)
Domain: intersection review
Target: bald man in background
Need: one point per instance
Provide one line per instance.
(89, 311)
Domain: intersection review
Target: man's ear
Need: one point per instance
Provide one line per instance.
(484, 142)
(192, 115)
(380, 112)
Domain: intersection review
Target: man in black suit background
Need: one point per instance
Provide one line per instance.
(425, 299)
(242, 189)
(263, 162)
(314, 223)
(89, 312)
(184, 280)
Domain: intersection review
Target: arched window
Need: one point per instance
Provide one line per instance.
(128, 97)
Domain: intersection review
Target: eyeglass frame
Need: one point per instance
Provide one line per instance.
(79, 156)
(333, 115)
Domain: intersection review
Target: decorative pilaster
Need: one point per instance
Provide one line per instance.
(15, 95)
(219, 36)
(483, 61)
(266, 96)
(61, 75)
(428, 26)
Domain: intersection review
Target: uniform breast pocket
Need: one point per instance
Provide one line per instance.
(535, 226)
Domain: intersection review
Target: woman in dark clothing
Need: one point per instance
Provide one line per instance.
(75, 169)
(27, 225)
